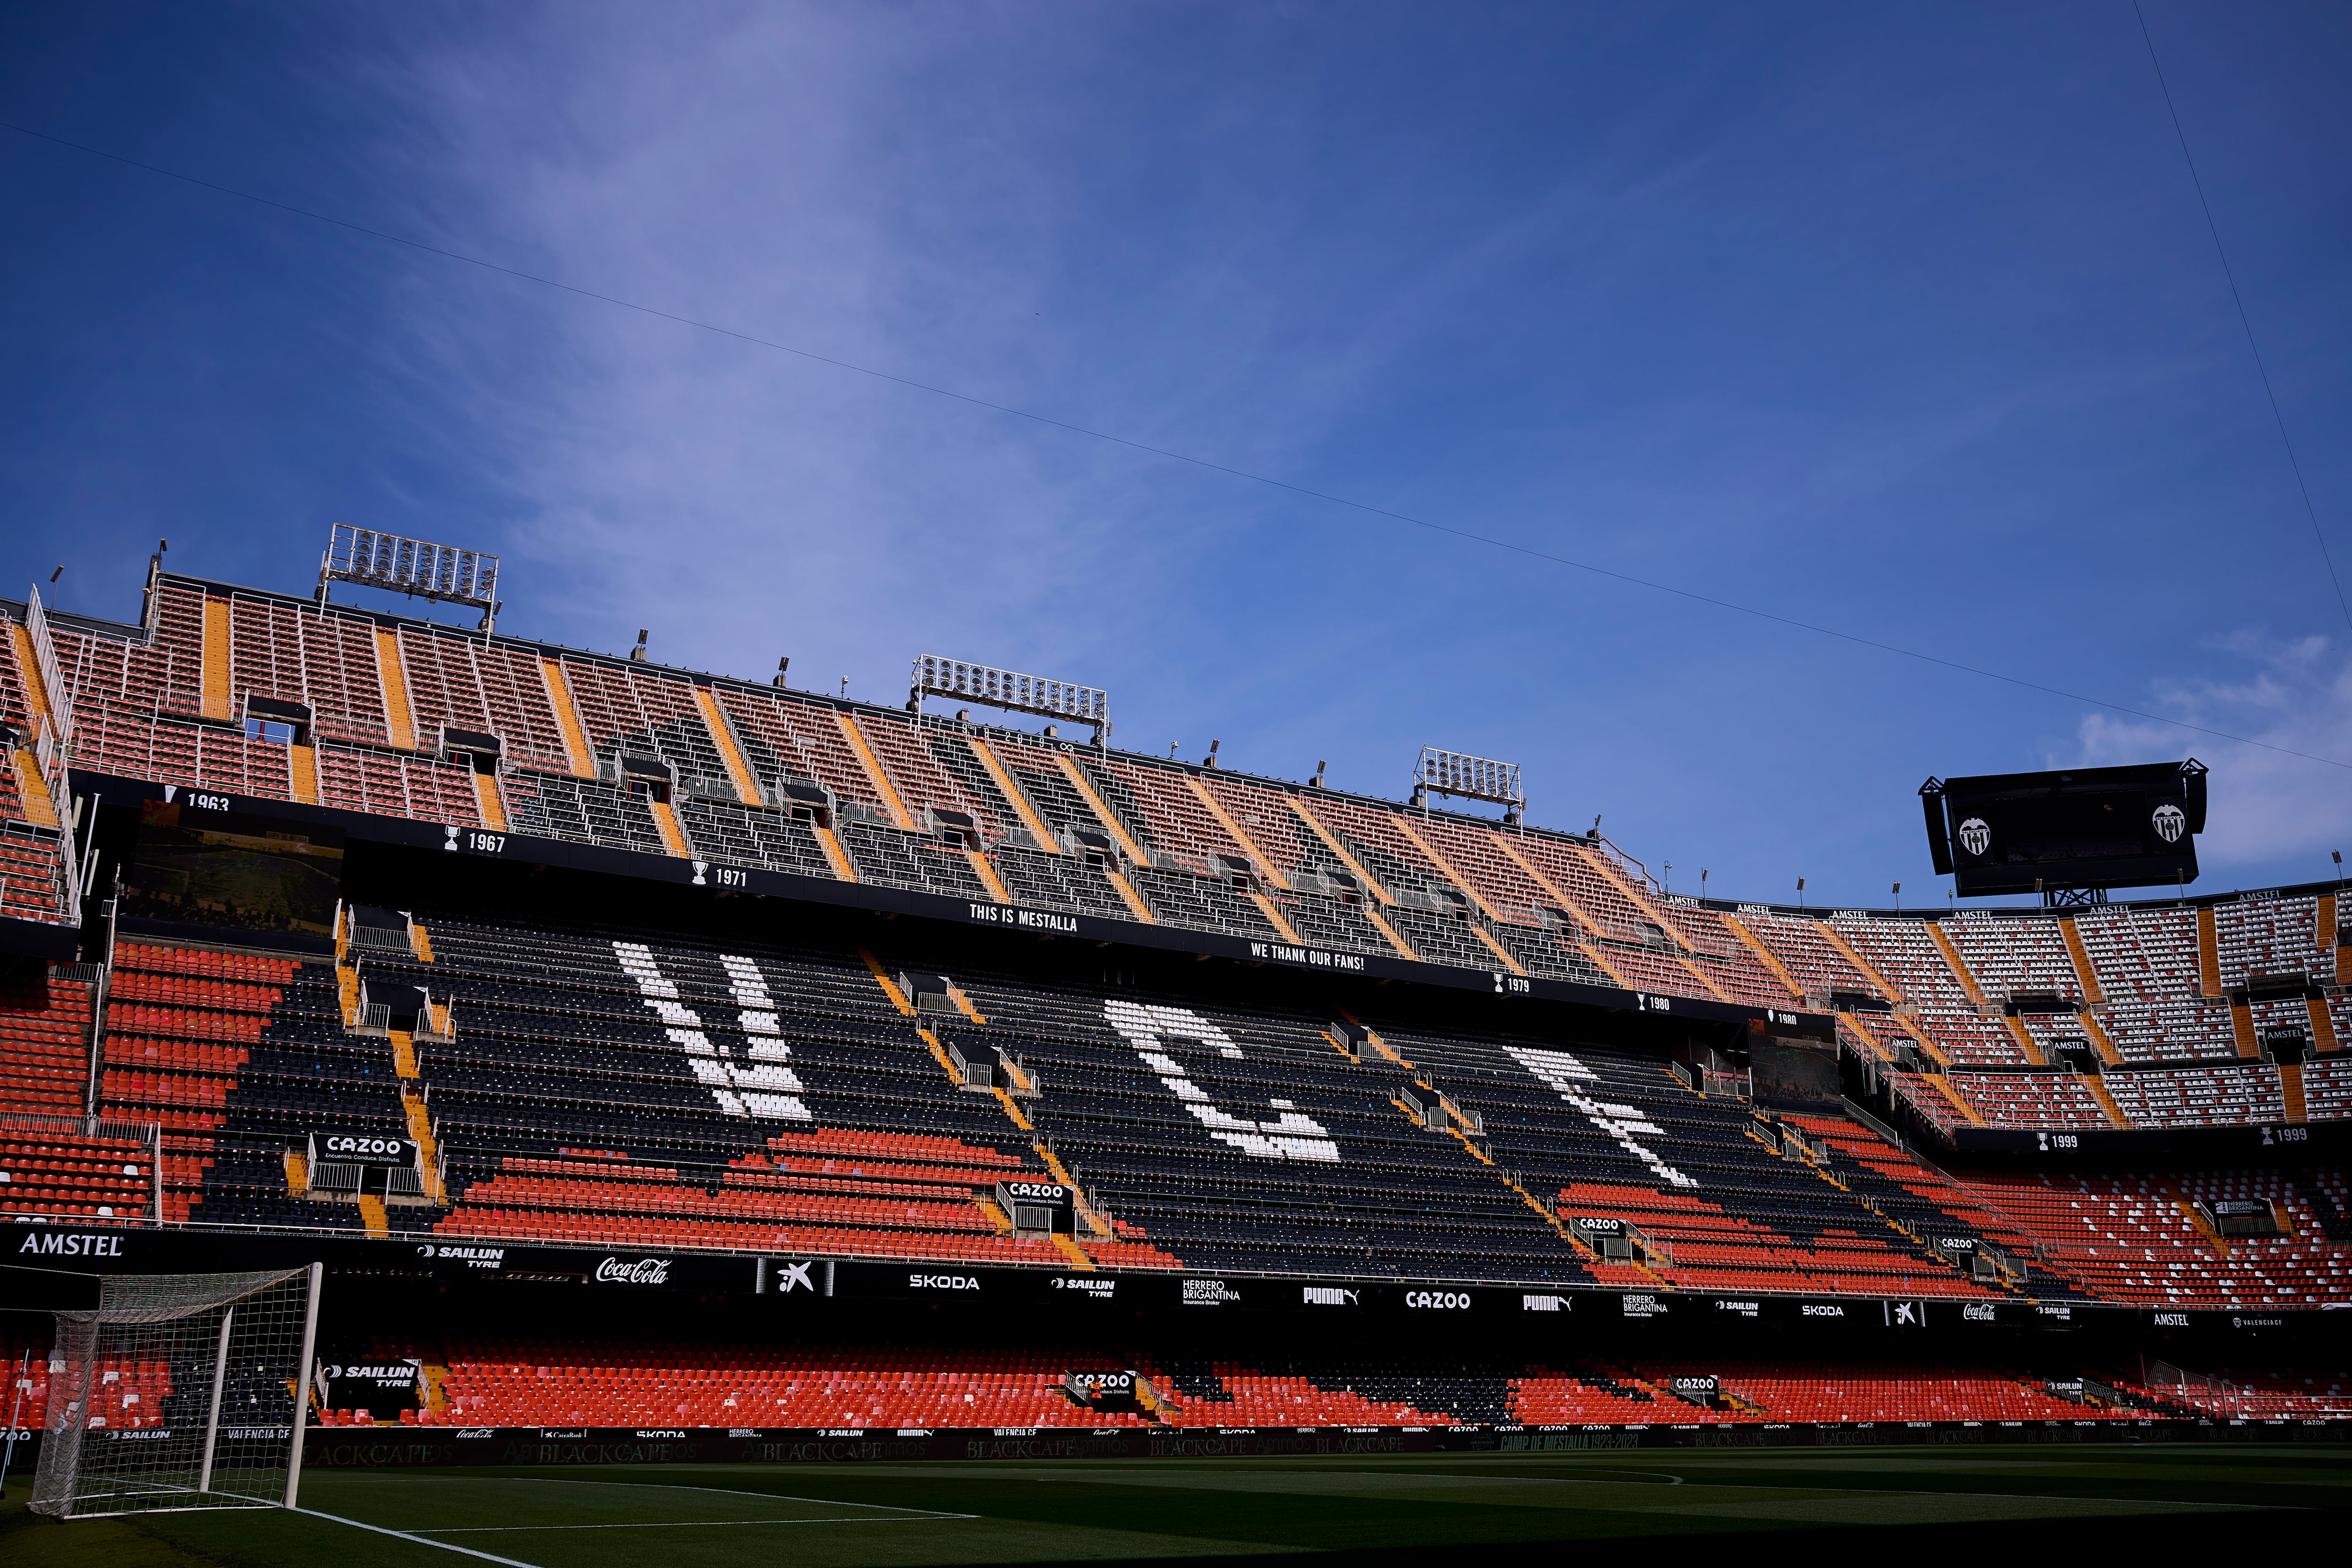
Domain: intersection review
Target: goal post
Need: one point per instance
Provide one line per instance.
(180, 1390)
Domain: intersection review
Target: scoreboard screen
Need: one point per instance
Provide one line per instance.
(2080, 827)
(201, 872)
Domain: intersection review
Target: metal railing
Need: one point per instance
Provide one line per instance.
(44, 655)
(148, 1134)
(19, 893)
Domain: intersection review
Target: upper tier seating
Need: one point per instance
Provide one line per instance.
(586, 811)
(2200, 1097)
(2327, 1087)
(474, 683)
(2033, 1099)
(2010, 958)
(289, 652)
(34, 876)
(2135, 1238)
(1906, 954)
(391, 785)
(1084, 829)
(645, 711)
(2145, 962)
(2272, 936)
(786, 738)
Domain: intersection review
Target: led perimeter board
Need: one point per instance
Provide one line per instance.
(2080, 828)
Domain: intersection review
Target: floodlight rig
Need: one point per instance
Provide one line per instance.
(442, 572)
(1469, 778)
(1013, 692)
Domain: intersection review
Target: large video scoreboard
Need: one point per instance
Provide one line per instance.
(2074, 829)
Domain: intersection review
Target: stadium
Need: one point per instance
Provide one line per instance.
(831, 1080)
(667, 1068)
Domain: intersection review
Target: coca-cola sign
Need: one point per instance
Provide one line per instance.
(636, 1271)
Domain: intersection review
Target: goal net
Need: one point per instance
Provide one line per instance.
(181, 1391)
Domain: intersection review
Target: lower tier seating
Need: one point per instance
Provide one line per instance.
(43, 1046)
(64, 1178)
(508, 1382)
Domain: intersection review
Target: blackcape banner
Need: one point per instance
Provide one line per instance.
(371, 1447)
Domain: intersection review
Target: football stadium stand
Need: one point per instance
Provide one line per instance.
(694, 967)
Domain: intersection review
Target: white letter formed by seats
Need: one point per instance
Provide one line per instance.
(1289, 1135)
(756, 1083)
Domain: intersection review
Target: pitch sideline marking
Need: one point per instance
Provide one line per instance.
(420, 1540)
(734, 1491)
(675, 1524)
(1108, 1478)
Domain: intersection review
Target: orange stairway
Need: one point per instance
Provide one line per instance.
(1959, 965)
(489, 800)
(567, 718)
(985, 870)
(875, 775)
(666, 820)
(1234, 831)
(1013, 796)
(304, 773)
(400, 723)
(220, 696)
(2083, 972)
(2025, 1041)
(2241, 1025)
(747, 788)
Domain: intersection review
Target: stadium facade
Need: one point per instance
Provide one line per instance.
(846, 1075)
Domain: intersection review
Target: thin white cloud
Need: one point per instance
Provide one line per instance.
(2266, 808)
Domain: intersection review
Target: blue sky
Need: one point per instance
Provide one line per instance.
(1900, 319)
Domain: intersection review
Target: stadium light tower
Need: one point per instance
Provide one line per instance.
(1470, 778)
(412, 566)
(1008, 689)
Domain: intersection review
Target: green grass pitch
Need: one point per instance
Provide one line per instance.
(1989, 1500)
